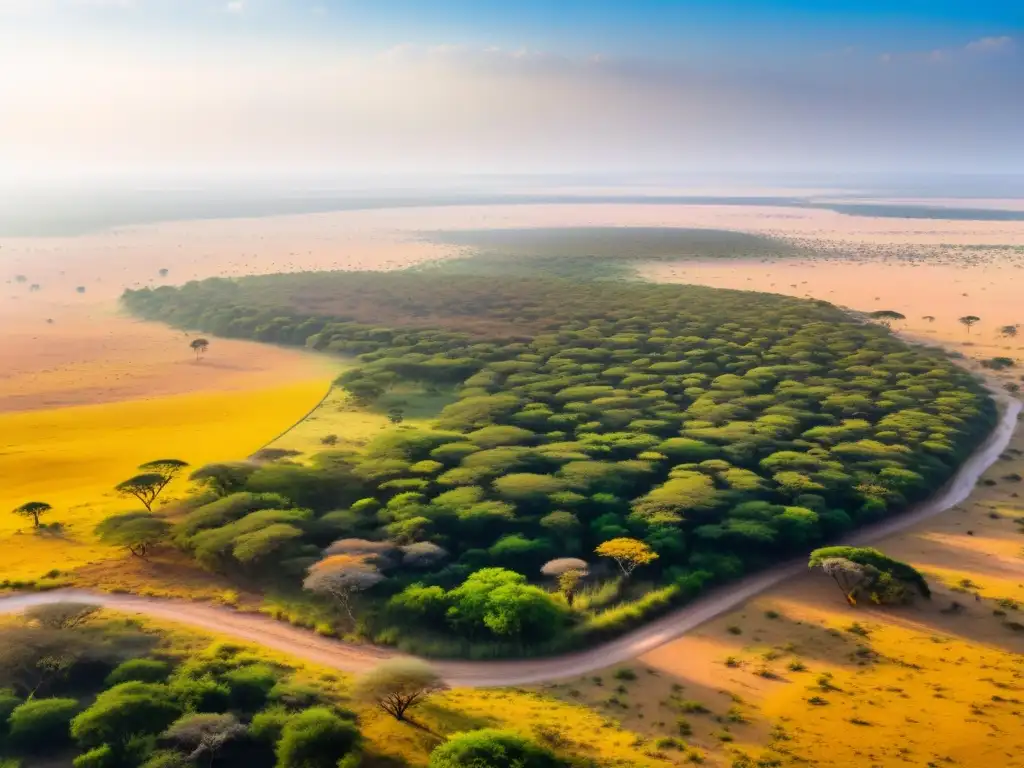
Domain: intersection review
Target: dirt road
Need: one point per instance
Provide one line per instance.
(352, 658)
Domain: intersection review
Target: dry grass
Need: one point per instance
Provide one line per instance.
(72, 457)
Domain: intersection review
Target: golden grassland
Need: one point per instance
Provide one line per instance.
(72, 458)
(564, 725)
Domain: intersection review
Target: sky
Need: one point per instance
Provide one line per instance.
(247, 87)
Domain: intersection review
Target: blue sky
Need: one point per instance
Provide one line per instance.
(557, 85)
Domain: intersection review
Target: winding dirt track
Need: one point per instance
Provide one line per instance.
(351, 658)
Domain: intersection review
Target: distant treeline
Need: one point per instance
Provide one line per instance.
(724, 430)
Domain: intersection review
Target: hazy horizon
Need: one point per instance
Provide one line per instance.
(234, 89)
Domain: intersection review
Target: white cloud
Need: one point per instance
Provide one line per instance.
(250, 103)
(235, 6)
(990, 44)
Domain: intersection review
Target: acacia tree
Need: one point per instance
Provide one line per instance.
(204, 734)
(33, 509)
(887, 581)
(969, 320)
(1009, 331)
(569, 572)
(144, 487)
(150, 483)
(628, 553)
(397, 685)
(139, 532)
(848, 575)
(341, 577)
(199, 346)
(887, 317)
(929, 318)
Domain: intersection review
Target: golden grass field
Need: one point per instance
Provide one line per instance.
(72, 457)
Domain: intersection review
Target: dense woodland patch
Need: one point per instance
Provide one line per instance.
(720, 431)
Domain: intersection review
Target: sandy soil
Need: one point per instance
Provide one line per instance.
(88, 354)
(941, 291)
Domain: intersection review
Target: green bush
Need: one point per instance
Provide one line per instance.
(249, 686)
(316, 738)
(139, 670)
(8, 703)
(38, 725)
(267, 726)
(128, 708)
(489, 748)
(98, 757)
(202, 695)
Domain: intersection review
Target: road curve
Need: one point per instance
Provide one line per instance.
(303, 644)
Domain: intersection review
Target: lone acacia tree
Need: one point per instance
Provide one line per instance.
(887, 317)
(150, 483)
(33, 509)
(1009, 331)
(199, 346)
(628, 553)
(885, 580)
(397, 685)
(968, 321)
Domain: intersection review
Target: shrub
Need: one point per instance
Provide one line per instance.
(491, 748)
(41, 724)
(8, 703)
(316, 738)
(202, 695)
(267, 726)
(98, 757)
(248, 687)
(128, 708)
(139, 670)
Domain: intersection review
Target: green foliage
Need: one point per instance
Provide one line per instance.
(501, 602)
(722, 430)
(128, 708)
(40, 725)
(867, 556)
(315, 738)
(491, 748)
(140, 670)
(138, 532)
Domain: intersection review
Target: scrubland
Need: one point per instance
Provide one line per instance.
(795, 676)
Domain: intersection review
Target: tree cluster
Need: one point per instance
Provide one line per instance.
(721, 430)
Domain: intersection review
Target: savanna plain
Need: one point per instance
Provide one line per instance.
(323, 490)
